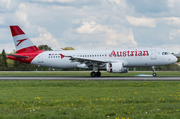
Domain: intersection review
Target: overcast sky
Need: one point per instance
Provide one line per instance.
(93, 24)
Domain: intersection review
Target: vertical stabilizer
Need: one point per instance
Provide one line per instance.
(22, 43)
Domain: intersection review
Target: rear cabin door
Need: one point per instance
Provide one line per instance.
(40, 58)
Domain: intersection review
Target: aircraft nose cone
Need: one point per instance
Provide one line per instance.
(174, 59)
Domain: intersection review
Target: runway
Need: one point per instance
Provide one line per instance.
(136, 78)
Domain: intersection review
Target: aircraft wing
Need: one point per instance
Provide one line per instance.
(80, 59)
(89, 61)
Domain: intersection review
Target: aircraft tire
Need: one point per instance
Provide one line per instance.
(154, 74)
(98, 74)
(93, 74)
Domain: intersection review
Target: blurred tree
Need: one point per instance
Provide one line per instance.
(16, 64)
(0, 60)
(178, 59)
(68, 48)
(14, 52)
(4, 60)
(45, 47)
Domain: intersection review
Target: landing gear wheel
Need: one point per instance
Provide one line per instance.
(98, 74)
(93, 74)
(153, 68)
(154, 74)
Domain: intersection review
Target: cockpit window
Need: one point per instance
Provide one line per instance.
(165, 53)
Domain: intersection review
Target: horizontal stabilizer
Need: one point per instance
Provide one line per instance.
(18, 56)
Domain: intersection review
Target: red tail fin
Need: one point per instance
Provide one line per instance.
(22, 43)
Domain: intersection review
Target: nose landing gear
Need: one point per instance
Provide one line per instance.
(154, 74)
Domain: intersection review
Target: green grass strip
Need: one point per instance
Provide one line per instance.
(90, 99)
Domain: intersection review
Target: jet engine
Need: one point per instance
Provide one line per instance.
(116, 68)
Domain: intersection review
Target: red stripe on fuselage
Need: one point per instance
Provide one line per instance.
(31, 52)
(28, 60)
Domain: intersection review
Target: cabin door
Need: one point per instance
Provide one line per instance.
(40, 58)
(153, 54)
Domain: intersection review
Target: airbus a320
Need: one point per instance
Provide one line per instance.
(113, 61)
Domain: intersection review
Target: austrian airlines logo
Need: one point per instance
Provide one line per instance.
(62, 56)
(20, 41)
(129, 53)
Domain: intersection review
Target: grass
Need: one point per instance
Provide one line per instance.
(83, 73)
(89, 99)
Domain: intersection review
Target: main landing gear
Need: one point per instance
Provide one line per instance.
(95, 74)
(154, 74)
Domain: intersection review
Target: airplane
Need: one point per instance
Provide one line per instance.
(111, 60)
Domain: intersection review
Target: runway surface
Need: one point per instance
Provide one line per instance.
(136, 78)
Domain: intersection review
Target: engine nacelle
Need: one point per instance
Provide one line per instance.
(116, 68)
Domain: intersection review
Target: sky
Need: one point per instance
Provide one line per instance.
(93, 24)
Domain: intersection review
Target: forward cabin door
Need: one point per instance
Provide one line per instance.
(40, 58)
(153, 54)
(105, 56)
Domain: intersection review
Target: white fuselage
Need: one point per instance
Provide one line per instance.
(129, 57)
